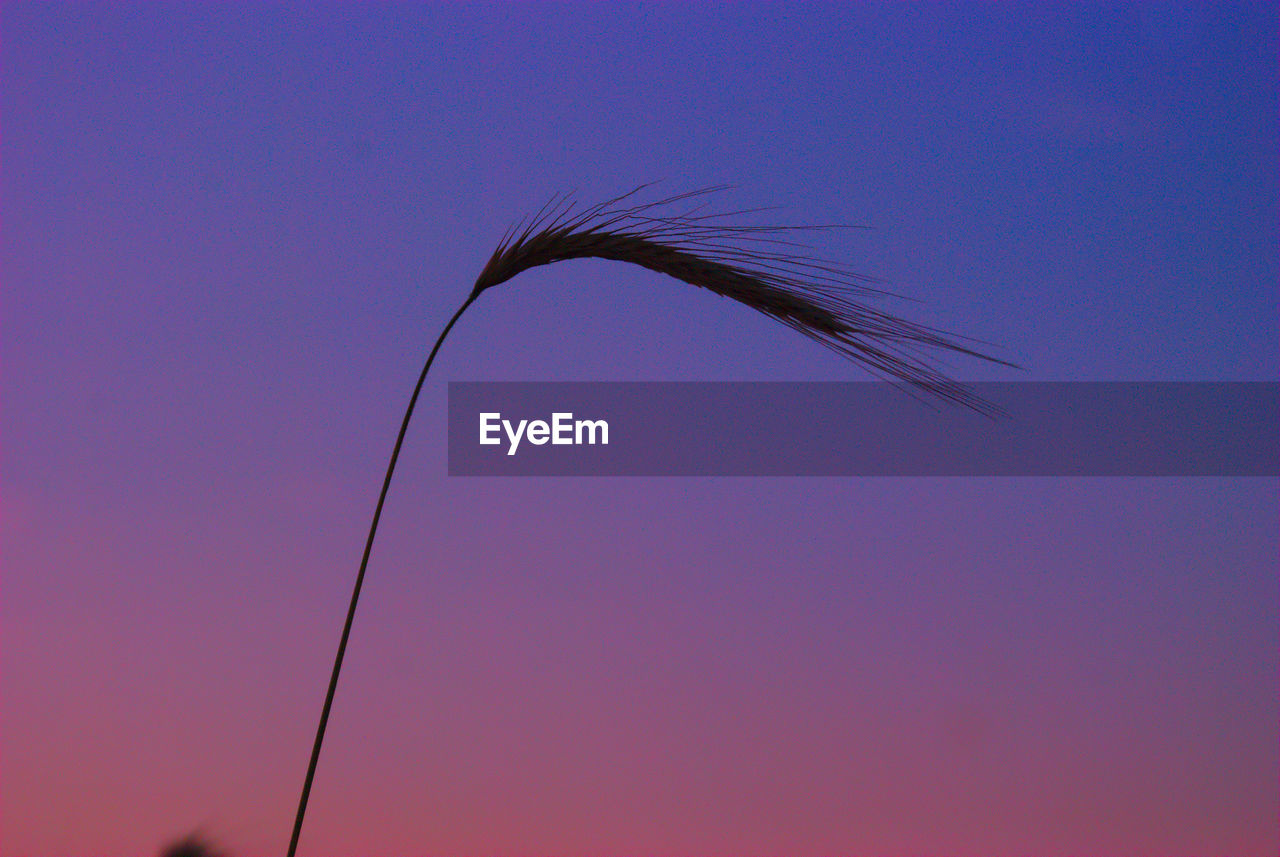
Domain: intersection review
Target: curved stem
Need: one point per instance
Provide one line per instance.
(355, 592)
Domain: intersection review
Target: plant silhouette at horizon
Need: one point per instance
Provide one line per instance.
(757, 266)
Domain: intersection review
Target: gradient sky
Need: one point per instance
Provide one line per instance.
(230, 233)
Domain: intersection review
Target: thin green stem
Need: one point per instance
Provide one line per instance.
(355, 592)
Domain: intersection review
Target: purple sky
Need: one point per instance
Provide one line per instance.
(229, 234)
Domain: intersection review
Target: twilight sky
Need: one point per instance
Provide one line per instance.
(229, 233)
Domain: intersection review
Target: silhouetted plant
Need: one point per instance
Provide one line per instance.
(190, 846)
(753, 265)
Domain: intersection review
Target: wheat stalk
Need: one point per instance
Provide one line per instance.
(754, 265)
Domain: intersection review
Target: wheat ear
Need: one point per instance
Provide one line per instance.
(754, 265)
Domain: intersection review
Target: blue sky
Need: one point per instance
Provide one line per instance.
(230, 234)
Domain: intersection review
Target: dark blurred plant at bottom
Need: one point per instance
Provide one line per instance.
(191, 846)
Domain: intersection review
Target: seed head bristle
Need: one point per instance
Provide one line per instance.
(752, 265)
